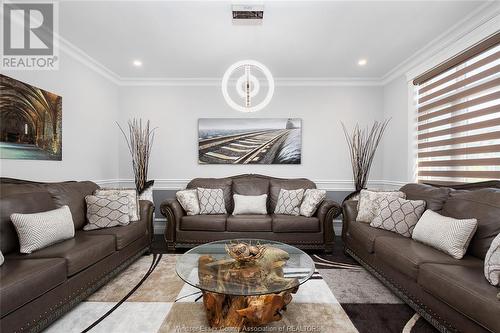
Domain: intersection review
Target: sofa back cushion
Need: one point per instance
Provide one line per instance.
(287, 184)
(20, 198)
(251, 186)
(224, 184)
(72, 194)
(484, 205)
(434, 197)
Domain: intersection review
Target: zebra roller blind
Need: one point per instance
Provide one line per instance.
(458, 117)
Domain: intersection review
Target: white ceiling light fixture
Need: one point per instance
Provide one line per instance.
(247, 85)
(137, 63)
(362, 62)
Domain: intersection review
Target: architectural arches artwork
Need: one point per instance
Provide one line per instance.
(30, 122)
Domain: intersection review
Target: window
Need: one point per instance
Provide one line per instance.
(458, 116)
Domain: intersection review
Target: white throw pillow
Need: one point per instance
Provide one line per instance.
(250, 204)
(107, 210)
(133, 200)
(369, 204)
(211, 201)
(492, 262)
(1, 258)
(189, 201)
(40, 230)
(289, 202)
(312, 199)
(398, 215)
(446, 234)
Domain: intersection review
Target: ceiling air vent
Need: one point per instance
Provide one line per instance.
(249, 14)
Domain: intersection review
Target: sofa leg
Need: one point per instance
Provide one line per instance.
(170, 246)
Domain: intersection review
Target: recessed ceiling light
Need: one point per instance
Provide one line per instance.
(137, 63)
(362, 62)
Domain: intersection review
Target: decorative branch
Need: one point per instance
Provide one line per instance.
(363, 144)
(139, 141)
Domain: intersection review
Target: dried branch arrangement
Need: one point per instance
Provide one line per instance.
(139, 141)
(363, 144)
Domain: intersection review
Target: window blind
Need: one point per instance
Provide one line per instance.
(458, 117)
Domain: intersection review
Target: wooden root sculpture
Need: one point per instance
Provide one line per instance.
(262, 273)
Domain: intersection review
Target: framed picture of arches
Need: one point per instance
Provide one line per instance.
(30, 122)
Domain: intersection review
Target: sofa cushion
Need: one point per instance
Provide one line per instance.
(26, 279)
(435, 197)
(80, 252)
(288, 184)
(204, 222)
(464, 288)
(483, 205)
(366, 235)
(406, 255)
(251, 186)
(288, 223)
(73, 195)
(123, 235)
(249, 223)
(24, 199)
(223, 183)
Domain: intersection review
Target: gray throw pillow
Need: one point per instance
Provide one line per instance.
(289, 202)
(211, 201)
(250, 204)
(492, 262)
(312, 199)
(106, 211)
(398, 215)
(446, 234)
(40, 230)
(133, 200)
(368, 204)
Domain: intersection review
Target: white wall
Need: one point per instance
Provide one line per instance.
(89, 132)
(396, 154)
(176, 110)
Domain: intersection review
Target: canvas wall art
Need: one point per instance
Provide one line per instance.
(249, 141)
(30, 122)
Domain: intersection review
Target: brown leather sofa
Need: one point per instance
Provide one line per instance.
(315, 232)
(37, 288)
(453, 295)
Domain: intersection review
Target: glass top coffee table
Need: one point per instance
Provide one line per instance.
(245, 282)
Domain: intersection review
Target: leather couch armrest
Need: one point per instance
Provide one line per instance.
(327, 211)
(349, 214)
(146, 211)
(173, 211)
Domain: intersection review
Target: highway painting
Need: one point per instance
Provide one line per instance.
(249, 141)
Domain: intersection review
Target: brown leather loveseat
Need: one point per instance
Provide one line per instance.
(451, 294)
(315, 232)
(37, 288)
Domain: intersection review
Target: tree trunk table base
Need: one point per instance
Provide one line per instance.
(242, 311)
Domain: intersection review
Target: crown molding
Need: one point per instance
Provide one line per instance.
(481, 15)
(471, 22)
(329, 185)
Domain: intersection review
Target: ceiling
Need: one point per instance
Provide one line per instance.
(299, 39)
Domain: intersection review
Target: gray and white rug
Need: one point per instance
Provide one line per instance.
(340, 297)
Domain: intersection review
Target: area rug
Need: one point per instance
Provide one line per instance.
(340, 297)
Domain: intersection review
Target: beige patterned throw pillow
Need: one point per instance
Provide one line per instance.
(289, 202)
(40, 230)
(369, 206)
(311, 202)
(106, 211)
(211, 201)
(189, 201)
(398, 215)
(133, 200)
(492, 262)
